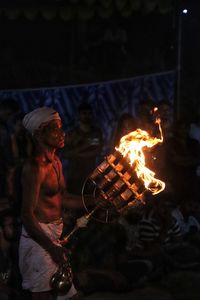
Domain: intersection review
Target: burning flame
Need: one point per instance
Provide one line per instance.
(131, 146)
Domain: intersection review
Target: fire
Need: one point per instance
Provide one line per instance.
(132, 146)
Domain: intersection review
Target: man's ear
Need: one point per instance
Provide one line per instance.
(37, 134)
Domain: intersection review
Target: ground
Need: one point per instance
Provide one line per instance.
(177, 286)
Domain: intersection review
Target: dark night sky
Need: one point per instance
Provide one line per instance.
(191, 36)
(45, 53)
(83, 45)
(190, 58)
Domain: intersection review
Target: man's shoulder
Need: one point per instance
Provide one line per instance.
(34, 172)
(34, 164)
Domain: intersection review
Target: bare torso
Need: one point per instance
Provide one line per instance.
(48, 204)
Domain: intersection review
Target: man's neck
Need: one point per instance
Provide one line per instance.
(47, 155)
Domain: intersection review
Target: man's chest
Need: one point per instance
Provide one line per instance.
(53, 182)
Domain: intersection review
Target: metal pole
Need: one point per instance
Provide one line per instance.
(178, 103)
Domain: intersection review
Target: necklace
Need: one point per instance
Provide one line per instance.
(57, 171)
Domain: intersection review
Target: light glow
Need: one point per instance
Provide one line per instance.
(131, 147)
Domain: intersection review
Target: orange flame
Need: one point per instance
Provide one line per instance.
(131, 146)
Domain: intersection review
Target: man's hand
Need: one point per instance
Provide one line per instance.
(82, 222)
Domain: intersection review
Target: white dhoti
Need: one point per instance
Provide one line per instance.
(35, 263)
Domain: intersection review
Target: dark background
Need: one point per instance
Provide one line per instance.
(46, 49)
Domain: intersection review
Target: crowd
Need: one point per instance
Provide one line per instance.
(136, 246)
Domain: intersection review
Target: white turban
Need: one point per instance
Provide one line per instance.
(38, 116)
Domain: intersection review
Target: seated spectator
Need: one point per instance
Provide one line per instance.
(190, 226)
(161, 238)
(184, 214)
(9, 237)
(135, 269)
(130, 220)
(157, 227)
(5, 291)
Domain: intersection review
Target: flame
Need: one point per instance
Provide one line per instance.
(131, 146)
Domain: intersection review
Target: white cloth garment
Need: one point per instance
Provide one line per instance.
(35, 263)
(38, 116)
(185, 225)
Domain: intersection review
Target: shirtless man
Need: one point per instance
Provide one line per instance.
(44, 194)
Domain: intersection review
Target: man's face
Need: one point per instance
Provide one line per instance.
(5, 114)
(53, 134)
(85, 116)
(165, 112)
(128, 125)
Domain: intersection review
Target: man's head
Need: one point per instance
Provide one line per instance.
(38, 117)
(85, 113)
(8, 108)
(45, 125)
(9, 224)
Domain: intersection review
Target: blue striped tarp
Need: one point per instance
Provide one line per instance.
(108, 99)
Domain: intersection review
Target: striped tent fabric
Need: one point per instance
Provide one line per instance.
(108, 99)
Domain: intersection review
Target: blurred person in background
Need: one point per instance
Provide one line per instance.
(8, 109)
(10, 278)
(125, 125)
(83, 145)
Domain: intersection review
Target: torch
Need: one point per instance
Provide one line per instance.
(120, 181)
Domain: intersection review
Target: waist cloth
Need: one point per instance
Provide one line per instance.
(35, 263)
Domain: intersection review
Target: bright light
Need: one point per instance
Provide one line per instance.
(185, 11)
(132, 145)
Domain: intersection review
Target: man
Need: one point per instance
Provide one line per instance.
(83, 147)
(8, 110)
(10, 279)
(40, 253)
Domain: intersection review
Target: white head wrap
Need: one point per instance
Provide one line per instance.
(38, 116)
